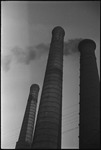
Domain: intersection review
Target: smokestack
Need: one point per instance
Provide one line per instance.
(26, 133)
(48, 125)
(89, 97)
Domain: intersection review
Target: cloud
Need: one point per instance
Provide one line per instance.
(24, 56)
(71, 46)
(31, 53)
(42, 49)
(6, 62)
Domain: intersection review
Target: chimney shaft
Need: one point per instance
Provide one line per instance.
(26, 133)
(89, 97)
(48, 125)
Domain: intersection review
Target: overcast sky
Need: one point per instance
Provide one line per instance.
(26, 34)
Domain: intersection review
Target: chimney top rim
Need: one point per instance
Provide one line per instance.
(58, 29)
(34, 87)
(87, 44)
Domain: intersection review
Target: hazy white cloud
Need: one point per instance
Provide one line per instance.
(71, 46)
(5, 62)
(31, 53)
(24, 55)
(42, 49)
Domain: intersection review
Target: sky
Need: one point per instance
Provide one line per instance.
(26, 28)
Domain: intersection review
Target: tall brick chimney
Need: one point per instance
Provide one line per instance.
(89, 97)
(48, 125)
(26, 133)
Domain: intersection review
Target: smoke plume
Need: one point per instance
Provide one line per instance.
(5, 62)
(71, 46)
(23, 55)
(42, 49)
(31, 53)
